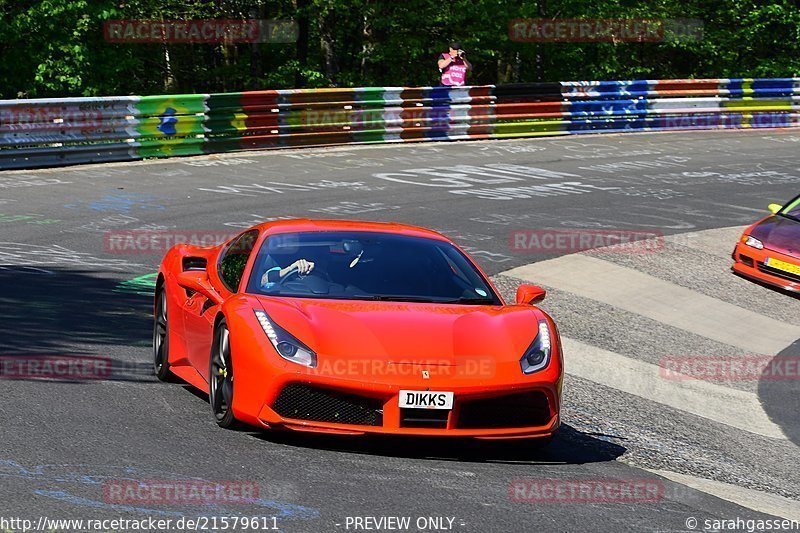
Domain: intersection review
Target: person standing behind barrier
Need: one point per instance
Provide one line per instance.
(454, 66)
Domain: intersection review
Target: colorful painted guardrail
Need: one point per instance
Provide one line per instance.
(62, 131)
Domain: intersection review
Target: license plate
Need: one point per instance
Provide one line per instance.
(782, 265)
(426, 399)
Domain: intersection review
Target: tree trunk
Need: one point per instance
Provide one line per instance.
(302, 41)
(169, 80)
(505, 69)
(540, 46)
(327, 24)
(256, 68)
(368, 44)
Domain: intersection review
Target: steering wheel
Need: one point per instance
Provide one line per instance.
(296, 273)
(292, 273)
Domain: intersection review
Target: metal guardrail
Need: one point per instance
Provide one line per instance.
(63, 131)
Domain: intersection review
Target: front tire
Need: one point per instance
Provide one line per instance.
(161, 339)
(221, 378)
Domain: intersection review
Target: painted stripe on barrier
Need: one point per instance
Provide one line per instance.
(48, 132)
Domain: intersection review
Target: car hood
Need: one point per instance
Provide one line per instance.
(780, 234)
(414, 333)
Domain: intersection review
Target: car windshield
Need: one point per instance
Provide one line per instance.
(367, 266)
(792, 209)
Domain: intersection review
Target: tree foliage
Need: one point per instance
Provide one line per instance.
(57, 47)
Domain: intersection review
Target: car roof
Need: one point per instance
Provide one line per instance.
(307, 224)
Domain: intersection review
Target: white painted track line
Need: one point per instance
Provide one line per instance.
(662, 301)
(762, 502)
(721, 404)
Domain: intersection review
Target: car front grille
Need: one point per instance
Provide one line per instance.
(424, 418)
(304, 402)
(526, 409)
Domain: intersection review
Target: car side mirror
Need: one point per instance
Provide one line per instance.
(774, 208)
(197, 281)
(530, 294)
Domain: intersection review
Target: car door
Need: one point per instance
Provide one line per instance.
(200, 311)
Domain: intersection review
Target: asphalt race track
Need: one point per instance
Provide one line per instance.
(716, 450)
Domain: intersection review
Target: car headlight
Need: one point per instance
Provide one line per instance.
(537, 356)
(753, 242)
(286, 344)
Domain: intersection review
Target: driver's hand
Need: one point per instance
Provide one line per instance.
(302, 266)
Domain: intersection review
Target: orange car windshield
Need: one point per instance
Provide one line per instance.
(367, 266)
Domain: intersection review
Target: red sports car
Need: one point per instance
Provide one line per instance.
(354, 328)
(769, 250)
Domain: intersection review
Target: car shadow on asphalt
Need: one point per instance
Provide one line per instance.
(773, 288)
(569, 446)
(52, 319)
(779, 391)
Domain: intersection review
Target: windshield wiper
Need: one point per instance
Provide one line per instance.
(401, 298)
(395, 298)
(790, 217)
(422, 299)
(471, 301)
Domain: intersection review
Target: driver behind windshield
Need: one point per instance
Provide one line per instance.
(275, 273)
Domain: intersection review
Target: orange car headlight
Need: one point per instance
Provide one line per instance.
(286, 344)
(537, 356)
